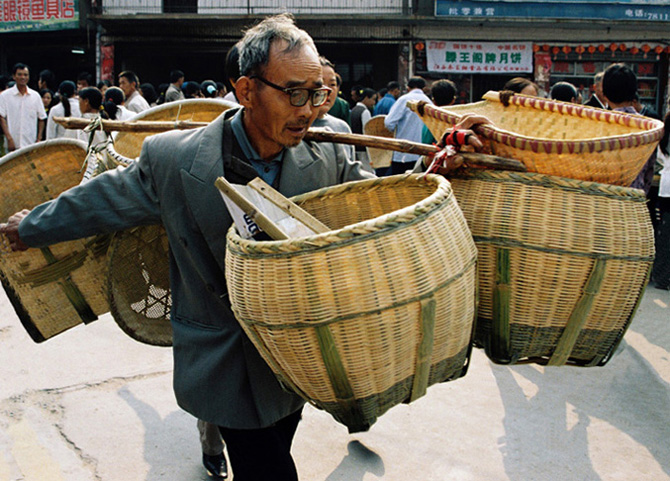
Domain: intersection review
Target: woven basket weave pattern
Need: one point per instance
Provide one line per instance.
(55, 288)
(366, 289)
(558, 138)
(129, 144)
(554, 231)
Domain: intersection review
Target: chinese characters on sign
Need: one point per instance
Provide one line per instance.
(479, 57)
(17, 15)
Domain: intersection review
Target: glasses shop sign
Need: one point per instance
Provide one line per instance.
(479, 57)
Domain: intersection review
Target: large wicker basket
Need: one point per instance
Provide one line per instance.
(562, 265)
(558, 138)
(138, 284)
(57, 287)
(379, 158)
(129, 144)
(370, 314)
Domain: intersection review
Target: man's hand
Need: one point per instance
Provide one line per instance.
(11, 146)
(11, 230)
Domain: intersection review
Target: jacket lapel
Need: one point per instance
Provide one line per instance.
(202, 196)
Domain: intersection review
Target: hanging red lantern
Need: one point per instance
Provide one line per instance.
(419, 46)
(555, 51)
(601, 48)
(591, 49)
(622, 47)
(667, 49)
(536, 47)
(580, 50)
(545, 47)
(634, 50)
(645, 49)
(567, 49)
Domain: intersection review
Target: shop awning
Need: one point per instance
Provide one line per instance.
(633, 10)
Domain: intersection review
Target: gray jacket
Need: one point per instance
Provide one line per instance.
(218, 374)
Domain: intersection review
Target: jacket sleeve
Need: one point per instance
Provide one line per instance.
(395, 114)
(113, 201)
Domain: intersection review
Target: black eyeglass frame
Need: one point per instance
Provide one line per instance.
(290, 90)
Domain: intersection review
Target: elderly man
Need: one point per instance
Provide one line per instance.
(219, 376)
(22, 114)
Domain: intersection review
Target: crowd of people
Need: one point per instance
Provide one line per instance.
(284, 87)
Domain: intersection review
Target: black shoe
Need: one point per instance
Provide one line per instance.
(215, 465)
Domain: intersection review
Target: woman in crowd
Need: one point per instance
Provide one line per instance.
(113, 105)
(68, 107)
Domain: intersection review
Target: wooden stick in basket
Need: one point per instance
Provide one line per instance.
(316, 135)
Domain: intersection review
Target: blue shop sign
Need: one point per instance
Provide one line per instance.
(639, 10)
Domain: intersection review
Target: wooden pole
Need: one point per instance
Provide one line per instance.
(315, 135)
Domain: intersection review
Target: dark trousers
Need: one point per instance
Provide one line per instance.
(263, 454)
(395, 169)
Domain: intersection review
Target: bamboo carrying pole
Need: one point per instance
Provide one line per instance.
(316, 135)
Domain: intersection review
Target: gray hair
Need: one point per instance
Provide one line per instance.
(255, 45)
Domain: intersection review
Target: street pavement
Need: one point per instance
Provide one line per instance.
(92, 404)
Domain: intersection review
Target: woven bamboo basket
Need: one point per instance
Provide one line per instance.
(562, 265)
(138, 284)
(58, 287)
(379, 158)
(368, 315)
(558, 138)
(129, 144)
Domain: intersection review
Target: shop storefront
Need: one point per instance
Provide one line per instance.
(593, 35)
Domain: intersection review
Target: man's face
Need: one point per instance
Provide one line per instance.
(81, 85)
(329, 80)
(272, 122)
(127, 86)
(369, 102)
(395, 93)
(21, 77)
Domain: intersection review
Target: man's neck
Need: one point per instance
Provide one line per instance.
(22, 88)
(267, 152)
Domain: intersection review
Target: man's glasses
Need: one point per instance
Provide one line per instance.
(299, 96)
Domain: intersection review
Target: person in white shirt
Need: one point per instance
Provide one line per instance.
(22, 114)
(68, 107)
(406, 124)
(129, 83)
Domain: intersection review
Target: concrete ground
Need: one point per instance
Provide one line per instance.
(92, 404)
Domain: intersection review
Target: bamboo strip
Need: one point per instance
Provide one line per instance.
(425, 350)
(579, 315)
(339, 380)
(500, 344)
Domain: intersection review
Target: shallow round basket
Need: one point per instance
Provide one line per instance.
(557, 138)
(379, 158)
(562, 265)
(139, 284)
(129, 144)
(58, 287)
(368, 315)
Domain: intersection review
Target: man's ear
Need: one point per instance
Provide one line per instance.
(245, 91)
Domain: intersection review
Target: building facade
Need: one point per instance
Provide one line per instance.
(370, 41)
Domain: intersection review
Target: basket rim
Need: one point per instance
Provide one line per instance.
(617, 192)
(171, 105)
(40, 145)
(653, 133)
(358, 231)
